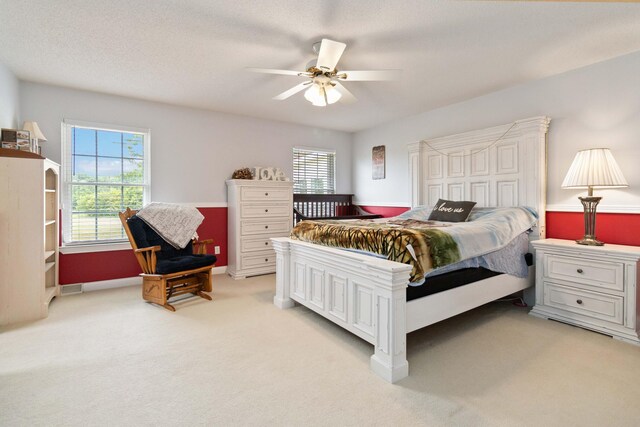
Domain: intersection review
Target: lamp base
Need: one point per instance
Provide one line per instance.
(589, 241)
(590, 203)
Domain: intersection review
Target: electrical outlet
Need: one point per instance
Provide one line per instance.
(216, 250)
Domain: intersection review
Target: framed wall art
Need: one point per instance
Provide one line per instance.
(377, 162)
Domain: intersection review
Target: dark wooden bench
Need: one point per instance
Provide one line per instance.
(327, 206)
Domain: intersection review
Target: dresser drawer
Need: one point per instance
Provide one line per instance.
(606, 275)
(269, 227)
(265, 211)
(265, 194)
(253, 244)
(586, 303)
(266, 259)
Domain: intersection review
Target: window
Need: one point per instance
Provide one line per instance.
(314, 171)
(105, 170)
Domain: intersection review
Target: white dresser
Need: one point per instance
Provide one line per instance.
(257, 210)
(594, 287)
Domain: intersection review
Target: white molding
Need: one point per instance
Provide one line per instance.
(95, 247)
(202, 204)
(550, 208)
(105, 126)
(383, 204)
(219, 270)
(601, 209)
(126, 281)
(314, 149)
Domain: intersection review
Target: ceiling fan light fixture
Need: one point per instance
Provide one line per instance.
(315, 95)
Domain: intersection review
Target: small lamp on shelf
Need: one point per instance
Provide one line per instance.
(593, 168)
(36, 135)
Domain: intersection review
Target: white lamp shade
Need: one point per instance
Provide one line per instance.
(34, 129)
(315, 95)
(594, 168)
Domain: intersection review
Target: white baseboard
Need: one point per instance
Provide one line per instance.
(219, 270)
(126, 281)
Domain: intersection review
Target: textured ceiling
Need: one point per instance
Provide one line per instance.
(193, 52)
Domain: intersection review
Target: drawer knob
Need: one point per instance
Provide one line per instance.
(266, 210)
(579, 301)
(266, 194)
(266, 226)
(579, 270)
(266, 243)
(266, 260)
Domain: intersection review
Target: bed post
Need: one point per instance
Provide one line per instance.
(389, 360)
(283, 267)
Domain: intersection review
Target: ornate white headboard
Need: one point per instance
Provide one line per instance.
(498, 166)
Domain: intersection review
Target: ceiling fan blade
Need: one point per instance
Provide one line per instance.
(370, 75)
(292, 91)
(347, 97)
(272, 71)
(329, 54)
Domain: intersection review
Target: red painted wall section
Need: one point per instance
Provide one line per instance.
(385, 211)
(214, 227)
(96, 266)
(615, 228)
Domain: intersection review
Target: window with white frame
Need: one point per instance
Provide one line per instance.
(105, 170)
(314, 171)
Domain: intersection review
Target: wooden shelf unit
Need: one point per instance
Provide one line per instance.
(29, 190)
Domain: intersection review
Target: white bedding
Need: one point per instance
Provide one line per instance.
(502, 245)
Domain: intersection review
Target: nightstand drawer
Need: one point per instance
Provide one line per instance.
(607, 275)
(265, 211)
(586, 303)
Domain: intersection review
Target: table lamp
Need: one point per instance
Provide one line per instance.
(36, 134)
(593, 168)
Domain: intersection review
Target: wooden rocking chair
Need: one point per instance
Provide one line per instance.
(168, 272)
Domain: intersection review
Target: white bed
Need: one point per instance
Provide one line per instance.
(367, 295)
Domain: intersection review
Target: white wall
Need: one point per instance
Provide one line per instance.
(595, 106)
(9, 99)
(193, 151)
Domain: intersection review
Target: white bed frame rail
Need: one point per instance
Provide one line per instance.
(367, 295)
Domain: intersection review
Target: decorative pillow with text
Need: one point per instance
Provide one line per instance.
(450, 211)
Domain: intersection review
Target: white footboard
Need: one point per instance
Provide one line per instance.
(363, 294)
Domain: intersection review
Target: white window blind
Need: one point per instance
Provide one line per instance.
(314, 171)
(105, 170)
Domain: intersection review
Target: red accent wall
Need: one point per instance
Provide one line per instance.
(385, 211)
(616, 228)
(623, 229)
(96, 266)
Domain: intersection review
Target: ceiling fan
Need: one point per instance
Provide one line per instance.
(324, 87)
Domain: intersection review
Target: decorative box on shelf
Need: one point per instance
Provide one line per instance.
(594, 287)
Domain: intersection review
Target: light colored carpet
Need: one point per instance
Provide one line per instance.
(107, 358)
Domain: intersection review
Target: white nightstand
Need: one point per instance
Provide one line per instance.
(594, 287)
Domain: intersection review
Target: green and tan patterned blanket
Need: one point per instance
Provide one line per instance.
(422, 244)
(425, 245)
